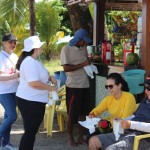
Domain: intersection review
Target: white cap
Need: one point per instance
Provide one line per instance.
(31, 43)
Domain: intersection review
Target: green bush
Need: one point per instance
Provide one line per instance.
(132, 59)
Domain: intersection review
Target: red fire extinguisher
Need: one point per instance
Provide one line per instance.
(106, 52)
(128, 50)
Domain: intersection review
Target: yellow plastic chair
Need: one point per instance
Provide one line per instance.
(137, 140)
(48, 119)
(61, 109)
(49, 112)
(61, 112)
(18, 112)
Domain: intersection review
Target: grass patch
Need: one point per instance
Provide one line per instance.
(53, 65)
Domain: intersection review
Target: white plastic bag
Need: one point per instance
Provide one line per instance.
(89, 71)
(117, 129)
(94, 69)
(90, 123)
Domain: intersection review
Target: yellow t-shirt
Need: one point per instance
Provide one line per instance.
(121, 108)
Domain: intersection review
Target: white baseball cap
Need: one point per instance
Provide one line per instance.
(31, 43)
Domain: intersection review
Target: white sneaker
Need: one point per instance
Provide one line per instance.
(10, 147)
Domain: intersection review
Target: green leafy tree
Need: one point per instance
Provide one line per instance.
(65, 22)
(14, 18)
(48, 22)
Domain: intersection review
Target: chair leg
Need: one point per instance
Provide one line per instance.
(61, 123)
(45, 119)
(50, 118)
(17, 111)
(136, 144)
(58, 118)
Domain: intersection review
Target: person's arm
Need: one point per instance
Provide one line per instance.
(69, 68)
(42, 86)
(99, 109)
(140, 126)
(7, 77)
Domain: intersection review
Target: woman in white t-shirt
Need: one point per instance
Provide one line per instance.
(32, 93)
(8, 87)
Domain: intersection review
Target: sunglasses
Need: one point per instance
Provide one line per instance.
(109, 86)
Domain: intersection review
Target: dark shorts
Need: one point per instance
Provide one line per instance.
(78, 102)
(126, 143)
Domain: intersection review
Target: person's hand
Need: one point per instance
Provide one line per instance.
(15, 75)
(87, 62)
(91, 115)
(53, 88)
(53, 80)
(125, 124)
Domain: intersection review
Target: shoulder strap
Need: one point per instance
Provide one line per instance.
(8, 59)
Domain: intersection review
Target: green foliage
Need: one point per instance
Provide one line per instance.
(121, 24)
(91, 8)
(60, 6)
(121, 27)
(48, 23)
(118, 51)
(52, 16)
(53, 65)
(13, 10)
(14, 19)
(59, 47)
(48, 20)
(132, 59)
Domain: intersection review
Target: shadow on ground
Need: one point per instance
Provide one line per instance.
(58, 141)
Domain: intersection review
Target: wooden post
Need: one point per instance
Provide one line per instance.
(98, 27)
(145, 52)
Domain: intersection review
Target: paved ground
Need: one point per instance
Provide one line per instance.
(57, 142)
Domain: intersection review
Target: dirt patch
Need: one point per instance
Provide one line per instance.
(58, 141)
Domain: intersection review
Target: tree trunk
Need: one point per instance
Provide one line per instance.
(80, 17)
(32, 17)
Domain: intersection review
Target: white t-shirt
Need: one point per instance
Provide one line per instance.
(7, 66)
(32, 70)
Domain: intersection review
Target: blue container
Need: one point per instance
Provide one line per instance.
(57, 75)
(134, 78)
(63, 78)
